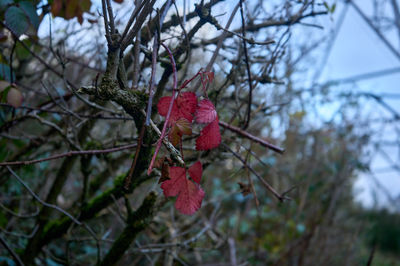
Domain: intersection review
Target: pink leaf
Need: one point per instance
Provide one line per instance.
(210, 137)
(190, 195)
(196, 171)
(206, 112)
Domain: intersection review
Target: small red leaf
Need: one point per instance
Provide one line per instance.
(196, 171)
(210, 76)
(190, 195)
(210, 137)
(175, 135)
(181, 127)
(184, 126)
(206, 112)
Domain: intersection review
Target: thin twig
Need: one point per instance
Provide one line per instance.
(246, 56)
(58, 209)
(68, 154)
(375, 29)
(134, 14)
(128, 178)
(57, 128)
(11, 251)
(22, 216)
(108, 36)
(111, 17)
(152, 77)
(251, 137)
(138, 25)
(40, 200)
(68, 113)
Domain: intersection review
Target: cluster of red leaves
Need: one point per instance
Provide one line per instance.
(186, 110)
(189, 194)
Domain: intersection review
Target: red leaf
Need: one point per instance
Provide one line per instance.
(210, 137)
(190, 195)
(210, 76)
(184, 107)
(206, 112)
(196, 171)
(190, 198)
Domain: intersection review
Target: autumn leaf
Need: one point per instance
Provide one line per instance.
(189, 194)
(206, 112)
(210, 137)
(181, 127)
(184, 107)
(210, 76)
(206, 77)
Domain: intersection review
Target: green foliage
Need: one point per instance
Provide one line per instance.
(383, 230)
(5, 72)
(19, 17)
(30, 11)
(4, 4)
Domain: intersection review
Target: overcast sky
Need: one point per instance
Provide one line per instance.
(358, 50)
